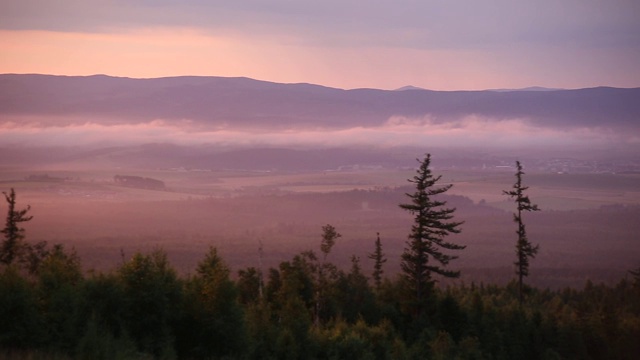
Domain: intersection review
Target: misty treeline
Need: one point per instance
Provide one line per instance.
(306, 307)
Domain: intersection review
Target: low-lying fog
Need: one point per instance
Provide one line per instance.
(465, 133)
(292, 158)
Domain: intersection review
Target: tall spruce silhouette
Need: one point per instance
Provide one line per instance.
(432, 223)
(12, 245)
(524, 248)
(379, 259)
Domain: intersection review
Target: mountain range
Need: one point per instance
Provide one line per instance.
(242, 123)
(243, 102)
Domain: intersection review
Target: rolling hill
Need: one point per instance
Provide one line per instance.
(243, 102)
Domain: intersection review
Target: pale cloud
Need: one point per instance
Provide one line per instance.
(407, 23)
(470, 131)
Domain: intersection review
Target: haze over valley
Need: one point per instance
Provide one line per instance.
(243, 162)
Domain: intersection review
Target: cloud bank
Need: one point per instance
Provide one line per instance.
(418, 24)
(467, 132)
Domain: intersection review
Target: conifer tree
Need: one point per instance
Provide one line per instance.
(152, 294)
(378, 257)
(325, 270)
(329, 237)
(432, 223)
(59, 278)
(215, 311)
(354, 296)
(12, 246)
(524, 248)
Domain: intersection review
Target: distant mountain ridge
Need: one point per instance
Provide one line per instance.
(409, 87)
(530, 88)
(223, 101)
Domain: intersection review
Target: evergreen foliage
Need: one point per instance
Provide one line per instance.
(212, 324)
(354, 297)
(249, 285)
(152, 295)
(22, 321)
(431, 224)
(33, 256)
(524, 248)
(311, 309)
(378, 260)
(329, 237)
(59, 280)
(64, 314)
(12, 245)
(326, 272)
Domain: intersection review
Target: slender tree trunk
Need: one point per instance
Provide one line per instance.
(520, 280)
(520, 256)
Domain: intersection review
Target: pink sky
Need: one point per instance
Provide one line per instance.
(386, 44)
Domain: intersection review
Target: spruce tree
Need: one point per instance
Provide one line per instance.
(378, 257)
(432, 223)
(524, 248)
(12, 245)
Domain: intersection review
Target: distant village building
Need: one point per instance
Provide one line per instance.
(139, 182)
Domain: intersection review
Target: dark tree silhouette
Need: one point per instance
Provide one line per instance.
(12, 246)
(353, 295)
(524, 248)
(378, 257)
(636, 277)
(215, 310)
(325, 270)
(329, 237)
(151, 294)
(248, 285)
(432, 223)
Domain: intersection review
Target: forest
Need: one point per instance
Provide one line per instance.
(144, 310)
(307, 307)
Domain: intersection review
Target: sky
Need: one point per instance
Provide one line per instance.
(433, 44)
